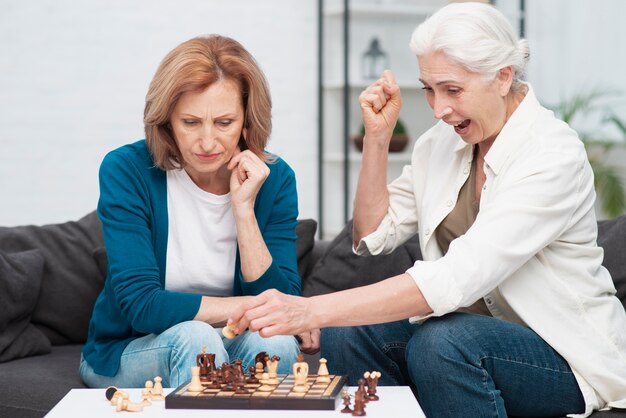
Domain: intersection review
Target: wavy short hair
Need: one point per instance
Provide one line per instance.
(475, 35)
(193, 66)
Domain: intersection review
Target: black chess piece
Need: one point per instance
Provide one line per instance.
(261, 358)
(109, 392)
(252, 378)
(203, 360)
(359, 400)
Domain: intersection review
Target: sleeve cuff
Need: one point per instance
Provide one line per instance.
(376, 242)
(437, 286)
(267, 281)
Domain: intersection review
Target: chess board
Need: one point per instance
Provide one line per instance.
(319, 396)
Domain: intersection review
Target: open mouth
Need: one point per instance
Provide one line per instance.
(461, 128)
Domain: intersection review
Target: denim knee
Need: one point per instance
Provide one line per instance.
(187, 341)
(354, 350)
(433, 341)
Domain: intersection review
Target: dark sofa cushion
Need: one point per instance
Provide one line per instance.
(71, 279)
(32, 386)
(305, 230)
(339, 268)
(612, 238)
(20, 282)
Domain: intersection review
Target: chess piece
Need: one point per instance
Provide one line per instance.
(145, 397)
(259, 370)
(229, 331)
(125, 405)
(252, 379)
(214, 381)
(372, 382)
(322, 373)
(345, 395)
(157, 390)
(262, 358)
(195, 385)
(117, 394)
(266, 385)
(272, 367)
(228, 378)
(240, 378)
(206, 362)
(239, 373)
(109, 392)
(362, 382)
(300, 373)
(359, 400)
(265, 379)
(149, 386)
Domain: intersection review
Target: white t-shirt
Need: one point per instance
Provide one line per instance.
(202, 239)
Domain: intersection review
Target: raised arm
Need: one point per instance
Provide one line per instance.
(380, 106)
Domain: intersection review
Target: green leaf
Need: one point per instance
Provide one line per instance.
(610, 189)
(608, 183)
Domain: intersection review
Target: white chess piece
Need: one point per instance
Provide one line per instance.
(266, 383)
(300, 373)
(259, 370)
(157, 390)
(149, 387)
(145, 396)
(120, 394)
(125, 405)
(322, 373)
(229, 331)
(272, 367)
(195, 385)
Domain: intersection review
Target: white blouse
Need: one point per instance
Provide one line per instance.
(531, 253)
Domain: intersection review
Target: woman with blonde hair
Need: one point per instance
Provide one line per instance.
(196, 218)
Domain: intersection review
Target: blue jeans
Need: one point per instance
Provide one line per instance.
(461, 365)
(172, 353)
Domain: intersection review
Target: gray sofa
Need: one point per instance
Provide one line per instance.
(51, 275)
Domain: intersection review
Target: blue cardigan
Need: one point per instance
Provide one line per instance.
(133, 211)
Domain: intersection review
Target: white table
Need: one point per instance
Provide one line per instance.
(395, 401)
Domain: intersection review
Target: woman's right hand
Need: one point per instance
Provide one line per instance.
(380, 107)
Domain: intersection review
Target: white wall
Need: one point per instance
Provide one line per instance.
(577, 46)
(73, 77)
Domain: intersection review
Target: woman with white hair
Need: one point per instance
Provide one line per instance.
(511, 311)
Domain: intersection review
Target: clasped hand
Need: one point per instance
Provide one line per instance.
(275, 313)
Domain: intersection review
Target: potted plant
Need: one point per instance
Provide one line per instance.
(608, 181)
(399, 138)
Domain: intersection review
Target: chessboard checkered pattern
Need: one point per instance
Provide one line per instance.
(319, 396)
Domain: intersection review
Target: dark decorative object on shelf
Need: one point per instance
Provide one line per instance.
(374, 61)
(398, 141)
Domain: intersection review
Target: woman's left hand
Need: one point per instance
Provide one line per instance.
(248, 173)
(274, 313)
